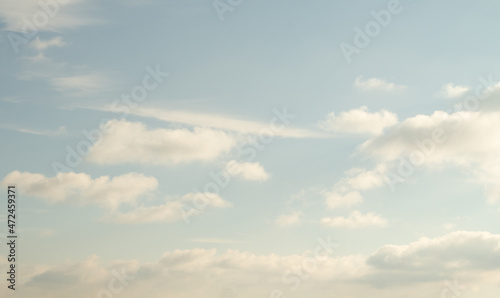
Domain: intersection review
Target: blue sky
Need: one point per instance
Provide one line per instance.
(120, 117)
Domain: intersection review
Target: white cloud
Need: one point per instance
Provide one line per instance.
(132, 142)
(362, 179)
(291, 219)
(171, 211)
(41, 45)
(355, 220)
(80, 188)
(336, 200)
(279, 123)
(81, 84)
(467, 140)
(345, 193)
(61, 131)
(88, 272)
(463, 250)
(247, 170)
(391, 271)
(18, 14)
(359, 121)
(212, 271)
(168, 212)
(376, 84)
(452, 91)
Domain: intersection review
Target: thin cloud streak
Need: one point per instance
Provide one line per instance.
(217, 121)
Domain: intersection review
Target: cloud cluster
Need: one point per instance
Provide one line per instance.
(423, 264)
(359, 121)
(174, 210)
(111, 193)
(346, 193)
(80, 188)
(468, 140)
(461, 249)
(133, 142)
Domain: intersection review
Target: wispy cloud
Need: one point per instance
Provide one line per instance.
(171, 211)
(81, 84)
(452, 91)
(61, 131)
(62, 14)
(44, 44)
(291, 219)
(215, 121)
(376, 84)
(355, 220)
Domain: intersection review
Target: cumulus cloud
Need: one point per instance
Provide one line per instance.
(171, 211)
(355, 220)
(346, 192)
(465, 139)
(474, 257)
(363, 179)
(87, 271)
(462, 139)
(173, 275)
(464, 250)
(452, 91)
(359, 121)
(376, 84)
(456, 137)
(247, 170)
(133, 142)
(80, 188)
(291, 219)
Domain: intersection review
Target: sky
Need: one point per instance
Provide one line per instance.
(241, 149)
